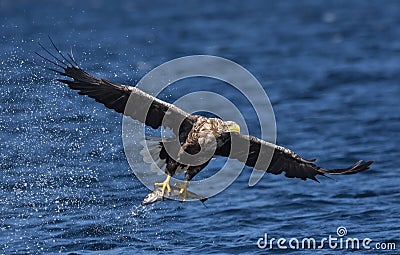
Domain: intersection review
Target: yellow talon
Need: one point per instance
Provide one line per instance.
(183, 190)
(164, 185)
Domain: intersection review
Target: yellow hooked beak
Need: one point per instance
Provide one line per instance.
(233, 127)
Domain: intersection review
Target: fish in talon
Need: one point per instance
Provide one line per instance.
(156, 195)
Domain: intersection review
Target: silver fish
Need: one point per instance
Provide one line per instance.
(155, 195)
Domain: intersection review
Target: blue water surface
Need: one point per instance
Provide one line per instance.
(332, 73)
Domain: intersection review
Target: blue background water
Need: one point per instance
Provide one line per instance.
(331, 70)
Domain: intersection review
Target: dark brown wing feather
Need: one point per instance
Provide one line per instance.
(256, 153)
(142, 106)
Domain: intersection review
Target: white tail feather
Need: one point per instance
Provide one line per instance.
(151, 154)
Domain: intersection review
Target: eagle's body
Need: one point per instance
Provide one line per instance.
(198, 138)
(202, 140)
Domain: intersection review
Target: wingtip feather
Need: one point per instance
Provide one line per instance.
(357, 167)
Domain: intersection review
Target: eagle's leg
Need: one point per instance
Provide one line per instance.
(170, 171)
(191, 171)
(183, 190)
(165, 185)
(184, 185)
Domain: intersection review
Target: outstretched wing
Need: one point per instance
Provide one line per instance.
(257, 153)
(141, 106)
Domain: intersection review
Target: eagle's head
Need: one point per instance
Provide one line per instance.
(231, 126)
